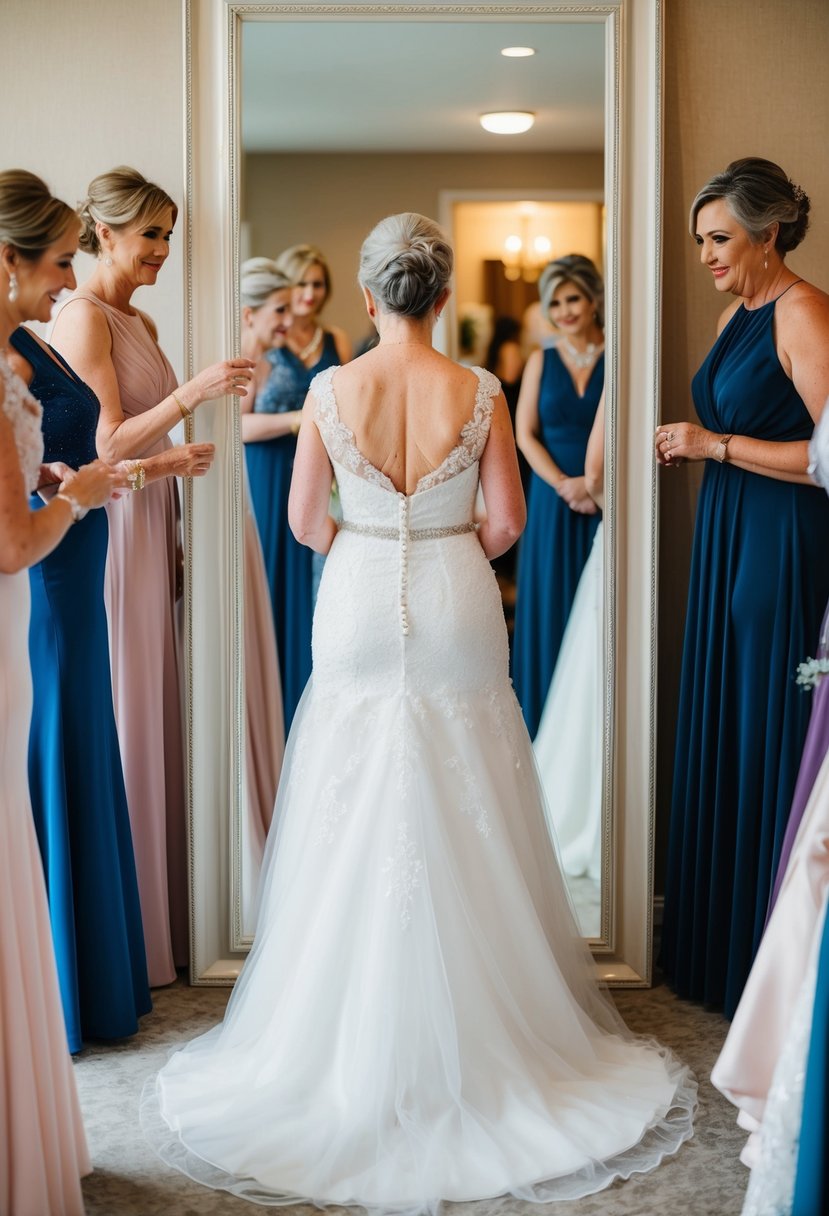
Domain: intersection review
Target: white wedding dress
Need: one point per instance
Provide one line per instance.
(417, 1019)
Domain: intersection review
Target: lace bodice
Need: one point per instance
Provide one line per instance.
(343, 451)
(24, 413)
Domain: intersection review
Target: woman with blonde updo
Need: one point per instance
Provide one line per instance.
(127, 223)
(387, 1045)
(270, 423)
(265, 297)
(43, 1150)
(560, 392)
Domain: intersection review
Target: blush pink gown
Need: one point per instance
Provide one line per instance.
(43, 1152)
(140, 599)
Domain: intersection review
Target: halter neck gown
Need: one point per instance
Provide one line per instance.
(756, 599)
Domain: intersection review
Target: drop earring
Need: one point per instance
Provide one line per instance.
(107, 260)
(12, 287)
(765, 259)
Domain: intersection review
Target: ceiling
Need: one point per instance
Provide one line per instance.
(414, 86)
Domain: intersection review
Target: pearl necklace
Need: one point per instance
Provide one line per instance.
(312, 345)
(581, 359)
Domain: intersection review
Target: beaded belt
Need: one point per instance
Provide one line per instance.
(403, 534)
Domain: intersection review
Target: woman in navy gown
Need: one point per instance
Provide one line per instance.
(270, 423)
(757, 587)
(75, 775)
(560, 393)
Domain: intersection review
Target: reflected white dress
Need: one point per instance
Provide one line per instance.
(418, 1018)
(568, 746)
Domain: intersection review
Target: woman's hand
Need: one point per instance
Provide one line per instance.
(54, 473)
(189, 459)
(678, 441)
(95, 483)
(230, 378)
(574, 492)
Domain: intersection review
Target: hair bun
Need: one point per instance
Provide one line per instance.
(406, 263)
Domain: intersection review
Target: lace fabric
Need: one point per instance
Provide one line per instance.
(24, 414)
(418, 1019)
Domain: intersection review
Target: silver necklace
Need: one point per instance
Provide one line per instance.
(312, 345)
(580, 358)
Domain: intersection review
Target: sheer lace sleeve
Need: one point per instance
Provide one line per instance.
(24, 413)
(473, 436)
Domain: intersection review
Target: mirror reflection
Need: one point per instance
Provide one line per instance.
(525, 216)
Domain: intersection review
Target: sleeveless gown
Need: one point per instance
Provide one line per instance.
(556, 543)
(757, 594)
(387, 1042)
(75, 776)
(43, 1150)
(140, 600)
(755, 1070)
(288, 565)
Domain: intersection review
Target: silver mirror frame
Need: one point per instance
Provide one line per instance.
(213, 519)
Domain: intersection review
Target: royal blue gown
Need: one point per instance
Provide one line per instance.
(75, 776)
(758, 588)
(556, 542)
(288, 564)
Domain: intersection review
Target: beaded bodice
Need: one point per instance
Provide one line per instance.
(24, 413)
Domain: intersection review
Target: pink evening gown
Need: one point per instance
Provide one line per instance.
(140, 596)
(43, 1152)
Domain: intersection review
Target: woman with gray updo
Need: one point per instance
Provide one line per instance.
(387, 1046)
(758, 585)
(560, 393)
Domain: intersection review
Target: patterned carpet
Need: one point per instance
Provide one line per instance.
(704, 1179)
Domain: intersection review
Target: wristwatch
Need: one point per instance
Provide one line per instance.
(721, 450)
(78, 512)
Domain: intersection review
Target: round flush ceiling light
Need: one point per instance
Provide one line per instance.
(518, 52)
(507, 122)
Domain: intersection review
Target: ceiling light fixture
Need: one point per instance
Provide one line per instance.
(507, 122)
(518, 52)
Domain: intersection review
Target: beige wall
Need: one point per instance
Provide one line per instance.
(743, 78)
(90, 84)
(333, 200)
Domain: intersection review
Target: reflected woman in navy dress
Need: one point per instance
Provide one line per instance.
(270, 423)
(560, 392)
(758, 581)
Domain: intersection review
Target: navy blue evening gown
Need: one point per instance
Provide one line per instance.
(288, 564)
(758, 589)
(556, 542)
(75, 776)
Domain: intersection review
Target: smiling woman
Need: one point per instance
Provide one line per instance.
(127, 222)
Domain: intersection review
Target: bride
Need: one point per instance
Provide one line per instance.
(417, 1019)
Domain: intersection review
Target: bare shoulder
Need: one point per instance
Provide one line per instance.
(802, 306)
(20, 366)
(81, 315)
(726, 315)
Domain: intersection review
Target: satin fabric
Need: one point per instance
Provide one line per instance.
(557, 541)
(755, 603)
(75, 776)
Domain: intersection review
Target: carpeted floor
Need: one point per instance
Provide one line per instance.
(704, 1179)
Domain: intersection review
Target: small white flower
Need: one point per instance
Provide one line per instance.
(810, 673)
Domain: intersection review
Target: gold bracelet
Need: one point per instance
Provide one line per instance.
(721, 450)
(185, 413)
(136, 474)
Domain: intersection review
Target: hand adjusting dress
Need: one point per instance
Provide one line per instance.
(417, 1019)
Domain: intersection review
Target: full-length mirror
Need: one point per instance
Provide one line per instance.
(323, 130)
(337, 131)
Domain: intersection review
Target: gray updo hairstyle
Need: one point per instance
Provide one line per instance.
(406, 263)
(259, 278)
(119, 199)
(31, 218)
(758, 194)
(577, 269)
